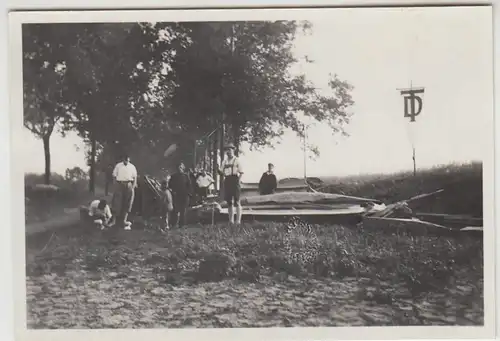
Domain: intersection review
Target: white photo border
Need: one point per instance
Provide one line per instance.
(16, 19)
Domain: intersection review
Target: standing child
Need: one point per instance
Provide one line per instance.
(167, 204)
(268, 182)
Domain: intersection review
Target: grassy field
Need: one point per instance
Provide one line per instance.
(462, 184)
(259, 275)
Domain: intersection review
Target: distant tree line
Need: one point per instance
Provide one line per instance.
(139, 87)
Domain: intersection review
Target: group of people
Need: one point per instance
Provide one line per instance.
(182, 185)
(177, 192)
(124, 185)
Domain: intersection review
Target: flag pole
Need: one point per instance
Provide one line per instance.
(414, 163)
(413, 145)
(305, 154)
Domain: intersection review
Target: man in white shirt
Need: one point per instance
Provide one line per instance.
(204, 181)
(232, 171)
(125, 182)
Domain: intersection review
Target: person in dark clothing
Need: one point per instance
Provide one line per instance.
(181, 188)
(268, 182)
(192, 173)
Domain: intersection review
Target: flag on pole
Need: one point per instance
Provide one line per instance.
(413, 104)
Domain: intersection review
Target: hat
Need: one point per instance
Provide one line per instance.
(229, 146)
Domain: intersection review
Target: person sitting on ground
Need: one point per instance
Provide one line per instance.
(167, 204)
(204, 181)
(100, 212)
(268, 182)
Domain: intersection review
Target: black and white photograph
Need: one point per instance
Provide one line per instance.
(257, 169)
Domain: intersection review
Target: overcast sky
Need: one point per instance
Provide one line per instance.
(447, 51)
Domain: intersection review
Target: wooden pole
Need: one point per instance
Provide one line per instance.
(215, 164)
(222, 142)
(205, 153)
(194, 154)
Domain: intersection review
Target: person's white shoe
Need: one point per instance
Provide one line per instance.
(128, 225)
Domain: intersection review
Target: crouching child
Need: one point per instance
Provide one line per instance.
(100, 213)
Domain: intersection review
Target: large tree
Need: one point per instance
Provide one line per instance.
(44, 85)
(239, 74)
(140, 87)
(111, 70)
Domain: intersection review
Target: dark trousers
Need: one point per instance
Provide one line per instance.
(180, 203)
(203, 192)
(232, 190)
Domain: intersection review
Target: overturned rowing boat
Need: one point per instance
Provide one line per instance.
(299, 200)
(293, 203)
(305, 203)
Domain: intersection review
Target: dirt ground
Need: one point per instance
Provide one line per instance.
(119, 279)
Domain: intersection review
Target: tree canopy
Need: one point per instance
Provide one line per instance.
(139, 87)
(240, 73)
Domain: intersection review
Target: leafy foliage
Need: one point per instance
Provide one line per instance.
(75, 174)
(239, 73)
(142, 86)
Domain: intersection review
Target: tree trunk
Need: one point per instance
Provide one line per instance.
(46, 150)
(92, 175)
(236, 138)
(106, 186)
(108, 178)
